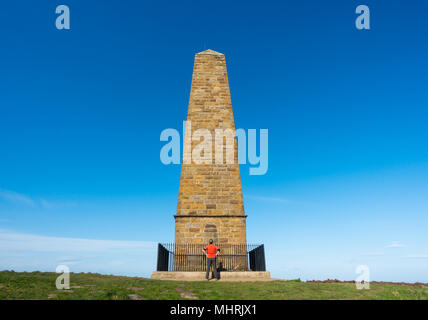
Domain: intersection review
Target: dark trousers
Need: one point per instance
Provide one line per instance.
(211, 262)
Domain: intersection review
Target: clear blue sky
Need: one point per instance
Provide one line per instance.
(81, 113)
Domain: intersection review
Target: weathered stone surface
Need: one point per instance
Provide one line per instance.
(210, 203)
(228, 229)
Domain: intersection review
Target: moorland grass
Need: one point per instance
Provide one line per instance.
(89, 286)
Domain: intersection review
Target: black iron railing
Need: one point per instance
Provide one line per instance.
(189, 257)
(257, 258)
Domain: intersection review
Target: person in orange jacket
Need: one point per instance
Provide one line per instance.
(211, 251)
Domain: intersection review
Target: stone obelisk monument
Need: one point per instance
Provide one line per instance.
(210, 203)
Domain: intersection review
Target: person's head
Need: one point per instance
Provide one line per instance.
(211, 241)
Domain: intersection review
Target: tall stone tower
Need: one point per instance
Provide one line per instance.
(210, 203)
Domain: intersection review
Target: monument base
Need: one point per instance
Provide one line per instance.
(224, 275)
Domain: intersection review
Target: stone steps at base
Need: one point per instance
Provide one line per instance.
(224, 276)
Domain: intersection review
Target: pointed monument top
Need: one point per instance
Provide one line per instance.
(209, 51)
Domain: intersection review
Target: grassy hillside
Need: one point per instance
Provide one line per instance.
(41, 285)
